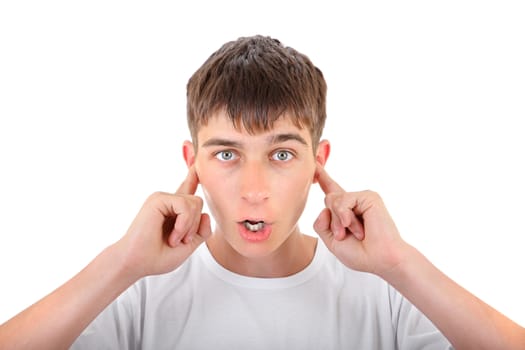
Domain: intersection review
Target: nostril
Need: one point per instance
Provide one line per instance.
(253, 196)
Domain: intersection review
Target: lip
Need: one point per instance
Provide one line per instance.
(254, 237)
(252, 219)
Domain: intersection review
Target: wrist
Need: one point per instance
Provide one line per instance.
(126, 271)
(400, 264)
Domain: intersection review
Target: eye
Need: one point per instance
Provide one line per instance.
(225, 155)
(282, 155)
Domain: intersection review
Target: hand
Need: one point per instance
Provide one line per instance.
(167, 229)
(358, 229)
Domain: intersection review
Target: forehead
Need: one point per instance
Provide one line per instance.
(220, 126)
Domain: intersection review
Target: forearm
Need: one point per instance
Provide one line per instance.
(466, 321)
(58, 319)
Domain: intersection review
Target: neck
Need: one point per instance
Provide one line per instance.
(291, 257)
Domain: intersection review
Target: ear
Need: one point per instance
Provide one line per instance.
(321, 156)
(188, 152)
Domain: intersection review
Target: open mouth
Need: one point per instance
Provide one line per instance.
(255, 230)
(253, 226)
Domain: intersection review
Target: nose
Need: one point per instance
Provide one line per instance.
(254, 183)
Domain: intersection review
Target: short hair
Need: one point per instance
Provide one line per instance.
(256, 80)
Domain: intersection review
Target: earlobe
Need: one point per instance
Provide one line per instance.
(188, 152)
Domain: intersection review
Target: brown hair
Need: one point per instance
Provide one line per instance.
(256, 80)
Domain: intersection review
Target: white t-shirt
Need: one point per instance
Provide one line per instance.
(201, 305)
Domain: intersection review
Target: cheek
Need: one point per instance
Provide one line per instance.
(216, 190)
(293, 189)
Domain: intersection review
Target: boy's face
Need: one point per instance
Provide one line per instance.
(256, 186)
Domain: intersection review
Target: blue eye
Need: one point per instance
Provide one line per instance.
(225, 155)
(282, 156)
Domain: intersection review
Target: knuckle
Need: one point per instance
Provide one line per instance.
(155, 196)
(372, 198)
(341, 211)
(339, 204)
(195, 203)
(373, 195)
(329, 199)
(199, 201)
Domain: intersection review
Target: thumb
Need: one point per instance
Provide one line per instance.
(322, 225)
(204, 231)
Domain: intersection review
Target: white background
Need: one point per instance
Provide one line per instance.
(426, 104)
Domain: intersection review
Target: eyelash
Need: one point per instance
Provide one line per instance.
(289, 154)
(219, 155)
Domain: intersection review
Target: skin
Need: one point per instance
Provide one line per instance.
(152, 245)
(355, 226)
(257, 176)
(466, 321)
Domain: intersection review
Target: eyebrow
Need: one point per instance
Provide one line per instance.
(221, 142)
(272, 139)
(286, 137)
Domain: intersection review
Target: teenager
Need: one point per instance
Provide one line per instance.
(256, 112)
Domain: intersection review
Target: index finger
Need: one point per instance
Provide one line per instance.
(190, 183)
(328, 185)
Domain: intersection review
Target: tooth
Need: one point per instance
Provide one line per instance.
(254, 227)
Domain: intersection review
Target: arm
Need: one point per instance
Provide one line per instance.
(358, 229)
(466, 321)
(56, 321)
(168, 228)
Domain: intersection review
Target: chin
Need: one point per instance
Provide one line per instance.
(251, 250)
